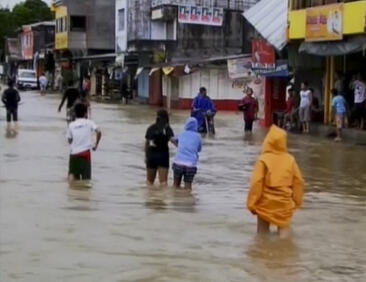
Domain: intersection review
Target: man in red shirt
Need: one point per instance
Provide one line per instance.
(289, 112)
(249, 106)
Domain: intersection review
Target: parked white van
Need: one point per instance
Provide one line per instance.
(26, 79)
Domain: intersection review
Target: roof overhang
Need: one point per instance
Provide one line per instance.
(269, 18)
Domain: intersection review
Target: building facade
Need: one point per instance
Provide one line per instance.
(85, 40)
(325, 51)
(36, 44)
(198, 36)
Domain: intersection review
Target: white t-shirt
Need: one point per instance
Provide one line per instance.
(43, 80)
(359, 91)
(305, 96)
(81, 132)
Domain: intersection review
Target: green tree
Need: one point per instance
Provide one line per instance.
(30, 11)
(7, 27)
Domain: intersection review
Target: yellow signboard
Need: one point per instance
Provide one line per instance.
(61, 36)
(61, 41)
(324, 23)
(60, 12)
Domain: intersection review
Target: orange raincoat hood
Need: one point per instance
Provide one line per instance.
(275, 141)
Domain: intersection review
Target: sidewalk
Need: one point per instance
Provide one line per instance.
(350, 135)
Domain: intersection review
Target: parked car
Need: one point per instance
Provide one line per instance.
(26, 79)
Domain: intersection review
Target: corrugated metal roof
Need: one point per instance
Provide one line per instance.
(269, 17)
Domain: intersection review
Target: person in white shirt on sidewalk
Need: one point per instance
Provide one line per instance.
(80, 135)
(305, 106)
(359, 92)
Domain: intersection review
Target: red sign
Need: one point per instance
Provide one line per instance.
(27, 44)
(263, 55)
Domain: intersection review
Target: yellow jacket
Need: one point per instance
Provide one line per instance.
(276, 187)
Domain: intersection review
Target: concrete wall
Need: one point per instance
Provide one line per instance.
(225, 92)
(121, 35)
(139, 20)
(43, 36)
(192, 40)
(77, 40)
(217, 82)
(206, 41)
(101, 25)
(100, 21)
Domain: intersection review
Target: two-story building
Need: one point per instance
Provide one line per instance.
(36, 44)
(183, 45)
(85, 39)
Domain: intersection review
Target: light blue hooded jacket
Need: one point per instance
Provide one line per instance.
(189, 144)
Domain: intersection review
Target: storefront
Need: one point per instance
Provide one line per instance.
(326, 45)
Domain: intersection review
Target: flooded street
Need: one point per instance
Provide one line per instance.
(120, 231)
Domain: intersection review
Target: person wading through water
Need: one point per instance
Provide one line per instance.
(157, 138)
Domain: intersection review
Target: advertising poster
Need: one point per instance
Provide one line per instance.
(324, 23)
(196, 14)
(217, 16)
(206, 15)
(183, 14)
(200, 15)
(263, 55)
(240, 68)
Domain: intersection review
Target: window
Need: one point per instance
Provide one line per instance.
(78, 23)
(61, 24)
(121, 19)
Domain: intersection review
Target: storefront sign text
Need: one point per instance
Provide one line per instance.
(324, 23)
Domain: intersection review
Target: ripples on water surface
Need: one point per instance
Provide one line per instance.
(119, 231)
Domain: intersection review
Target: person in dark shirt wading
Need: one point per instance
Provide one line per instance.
(157, 138)
(71, 95)
(11, 99)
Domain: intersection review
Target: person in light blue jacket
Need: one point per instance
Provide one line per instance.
(188, 147)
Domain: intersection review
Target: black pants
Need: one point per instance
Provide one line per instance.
(248, 125)
(11, 114)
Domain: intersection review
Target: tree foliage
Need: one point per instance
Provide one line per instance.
(27, 12)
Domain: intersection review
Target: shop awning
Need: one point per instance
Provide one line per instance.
(334, 48)
(269, 18)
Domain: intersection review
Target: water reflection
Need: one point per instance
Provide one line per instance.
(155, 198)
(79, 192)
(184, 200)
(160, 199)
(11, 133)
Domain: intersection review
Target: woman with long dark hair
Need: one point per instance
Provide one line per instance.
(157, 138)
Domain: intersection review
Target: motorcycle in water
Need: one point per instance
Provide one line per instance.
(210, 122)
(207, 118)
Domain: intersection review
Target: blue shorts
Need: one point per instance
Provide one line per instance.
(184, 172)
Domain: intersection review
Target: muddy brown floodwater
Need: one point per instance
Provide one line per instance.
(119, 231)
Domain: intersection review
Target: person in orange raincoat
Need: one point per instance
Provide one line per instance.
(276, 187)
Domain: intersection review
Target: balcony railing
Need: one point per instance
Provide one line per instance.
(226, 4)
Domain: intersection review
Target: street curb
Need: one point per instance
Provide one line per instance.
(351, 135)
